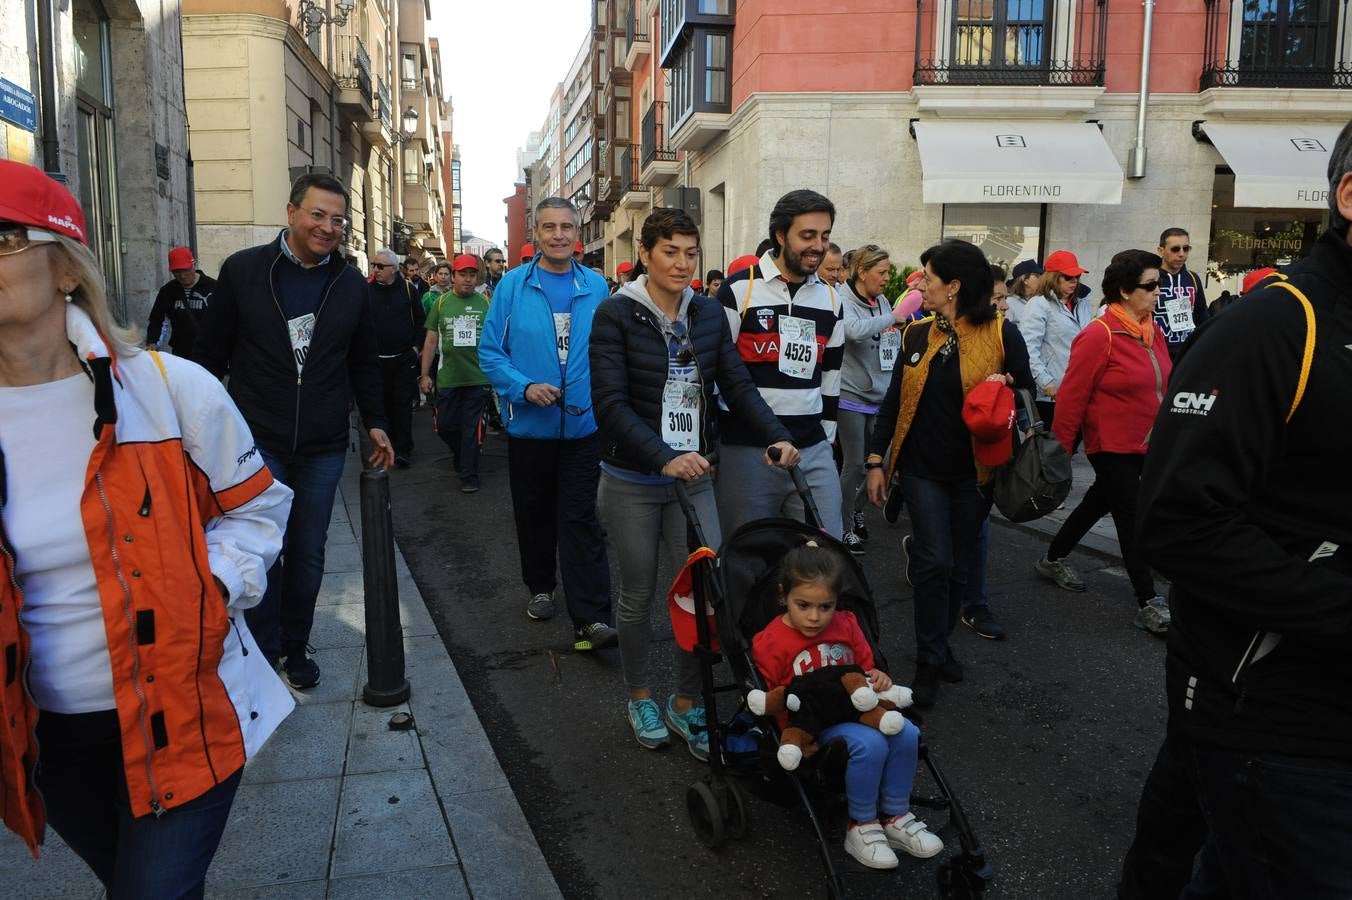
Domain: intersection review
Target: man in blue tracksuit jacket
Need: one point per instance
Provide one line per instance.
(534, 351)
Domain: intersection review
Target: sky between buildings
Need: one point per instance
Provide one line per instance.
(500, 62)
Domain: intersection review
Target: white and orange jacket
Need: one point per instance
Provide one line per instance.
(175, 494)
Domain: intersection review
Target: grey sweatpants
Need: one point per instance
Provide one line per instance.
(748, 489)
(853, 429)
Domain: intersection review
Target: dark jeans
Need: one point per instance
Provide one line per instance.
(83, 784)
(282, 619)
(554, 501)
(1117, 481)
(1170, 830)
(399, 378)
(1280, 827)
(1046, 410)
(460, 413)
(946, 519)
(974, 596)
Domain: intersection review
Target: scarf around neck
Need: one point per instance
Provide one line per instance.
(950, 335)
(1143, 330)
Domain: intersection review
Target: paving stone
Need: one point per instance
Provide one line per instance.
(387, 822)
(443, 882)
(58, 875)
(279, 832)
(373, 747)
(342, 558)
(341, 588)
(306, 890)
(338, 676)
(339, 626)
(308, 744)
(489, 828)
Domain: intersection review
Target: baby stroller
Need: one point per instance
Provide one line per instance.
(740, 587)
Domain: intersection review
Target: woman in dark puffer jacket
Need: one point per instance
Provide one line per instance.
(658, 350)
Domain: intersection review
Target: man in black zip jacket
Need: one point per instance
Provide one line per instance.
(1246, 509)
(397, 311)
(291, 324)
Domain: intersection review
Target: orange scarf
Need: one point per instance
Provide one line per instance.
(1143, 330)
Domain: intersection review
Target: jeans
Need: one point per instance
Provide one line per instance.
(639, 518)
(1280, 826)
(853, 429)
(399, 380)
(946, 519)
(85, 789)
(748, 489)
(1117, 482)
(282, 619)
(974, 595)
(881, 769)
(554, 503)
(1170, 830)
(459, 422)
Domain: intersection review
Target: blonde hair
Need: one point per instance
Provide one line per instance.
(1046, 285)
(864, 258)
(91, 295)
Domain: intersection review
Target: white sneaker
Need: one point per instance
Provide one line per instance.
(909, 834)
(869, 846)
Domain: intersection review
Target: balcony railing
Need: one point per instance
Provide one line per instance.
(636, 28)
(629, 171)
(352, 65)
(410, 85)
(654, 138)
(1285, 43)
(1032, 42)
(383, 98)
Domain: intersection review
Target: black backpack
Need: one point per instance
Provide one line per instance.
(1037, 480)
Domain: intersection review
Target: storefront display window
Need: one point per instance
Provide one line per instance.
(1005, 232)
(1246, 239)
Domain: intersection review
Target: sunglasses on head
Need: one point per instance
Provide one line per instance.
(1185, 248)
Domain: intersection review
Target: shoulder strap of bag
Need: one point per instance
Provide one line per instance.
(1307, 356)
(159, 364)
(1107, 328)
(750, 286)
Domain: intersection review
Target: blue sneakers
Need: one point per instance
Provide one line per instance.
(691, 726)
(646, 721)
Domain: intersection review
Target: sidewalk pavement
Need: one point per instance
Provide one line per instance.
(338, 806)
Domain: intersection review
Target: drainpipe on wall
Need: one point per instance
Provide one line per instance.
(1136, 158)
(190, 177)
(51, 143)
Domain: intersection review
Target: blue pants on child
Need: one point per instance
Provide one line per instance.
(881, 770)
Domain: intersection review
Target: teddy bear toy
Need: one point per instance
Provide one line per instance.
(824, 697)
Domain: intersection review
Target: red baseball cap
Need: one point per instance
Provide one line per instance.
(623, 267)
(914, 278)
(32, 198)
(464, 261)
(528, 251)
(742, 262)
(1255, 278)
(180, 258)
(988, 413)
(1063, 262)
(577, 248)
(681, 604)
(696, 284)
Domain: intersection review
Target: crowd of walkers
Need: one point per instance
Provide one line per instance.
(182, 536)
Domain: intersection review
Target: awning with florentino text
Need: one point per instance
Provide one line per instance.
(1024, 161)
(1276, 165)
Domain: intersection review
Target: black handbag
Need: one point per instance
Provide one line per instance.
(1037, 479)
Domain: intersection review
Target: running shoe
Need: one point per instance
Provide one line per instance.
(691, 727)
(646, 720)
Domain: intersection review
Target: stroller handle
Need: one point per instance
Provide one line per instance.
(811, 514)
(691, 515)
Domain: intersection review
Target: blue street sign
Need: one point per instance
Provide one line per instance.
(17, 105)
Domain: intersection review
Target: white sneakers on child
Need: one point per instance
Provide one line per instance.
(868, 845)
(909, 834)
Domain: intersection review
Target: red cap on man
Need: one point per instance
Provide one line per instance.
(1255, 278)
(577, 248)
(988, 413)
(32, 198)
(180, 258)
(742, 262)
(624, 267)
(1063, 262)
(464, 261)
(527, 252)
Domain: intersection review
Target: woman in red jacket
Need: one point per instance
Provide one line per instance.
(1114, 383)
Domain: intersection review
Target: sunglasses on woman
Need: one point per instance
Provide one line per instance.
(18, 238)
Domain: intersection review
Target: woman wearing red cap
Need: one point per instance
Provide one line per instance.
(1050, 323)
(1111, 392)
(128, 552)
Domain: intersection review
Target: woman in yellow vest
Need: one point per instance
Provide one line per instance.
(963, 342)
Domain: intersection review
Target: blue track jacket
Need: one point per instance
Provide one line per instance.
(520, 347)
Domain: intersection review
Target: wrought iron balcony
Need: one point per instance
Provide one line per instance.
(1014, 42)
(1277, 43)
(383, 100)
(352, 70)
(654, 138)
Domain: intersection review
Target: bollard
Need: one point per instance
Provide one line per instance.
(385, 681)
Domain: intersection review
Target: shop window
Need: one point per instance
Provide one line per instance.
(995, 33)
(1246, 239)
(1005, 232)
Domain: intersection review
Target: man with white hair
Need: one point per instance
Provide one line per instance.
(397, 311)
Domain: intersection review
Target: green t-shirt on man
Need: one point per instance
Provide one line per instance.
(459, 322)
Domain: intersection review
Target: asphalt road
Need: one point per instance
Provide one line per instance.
(1046, 742)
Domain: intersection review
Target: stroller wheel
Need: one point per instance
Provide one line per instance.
(705, 815)
(964, 877)
(736, 820)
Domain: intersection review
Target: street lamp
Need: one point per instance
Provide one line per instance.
(410, 121)
(313, 16)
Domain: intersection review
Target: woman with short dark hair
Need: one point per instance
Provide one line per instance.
(1114, 383)
(658, 350)
(963, 343)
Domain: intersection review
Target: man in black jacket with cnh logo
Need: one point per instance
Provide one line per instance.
(1248, 510)
(291, 324)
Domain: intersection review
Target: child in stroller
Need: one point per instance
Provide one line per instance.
(881, 768)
